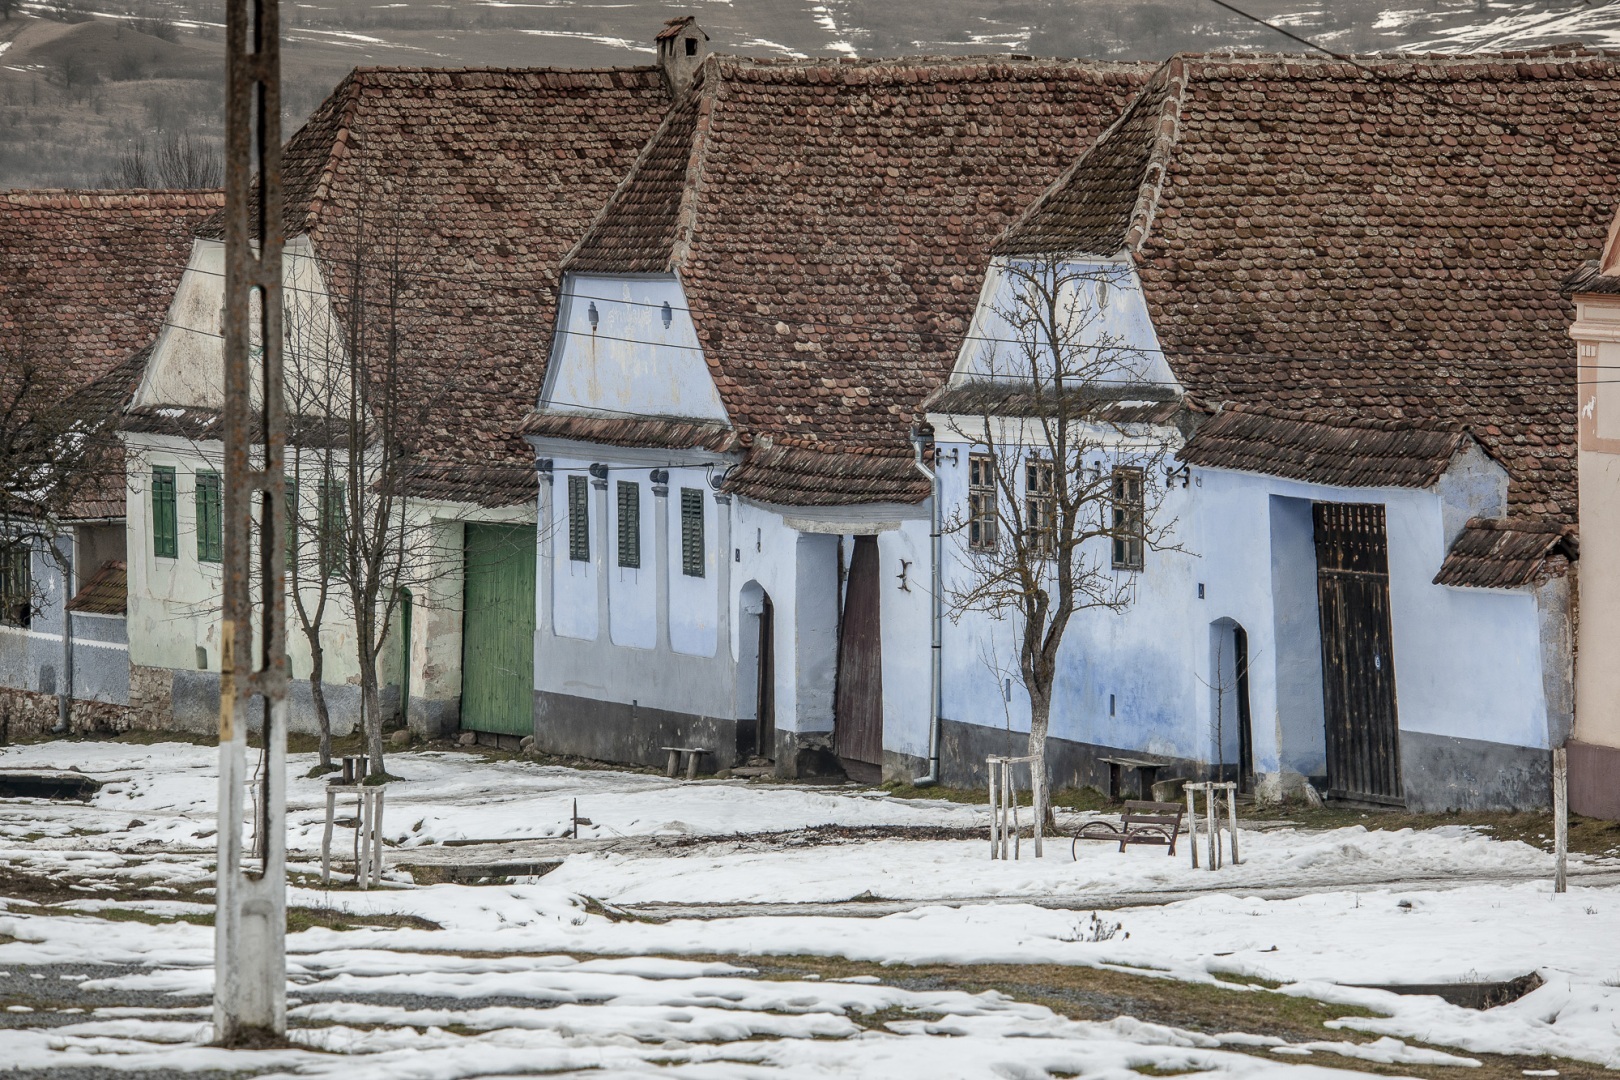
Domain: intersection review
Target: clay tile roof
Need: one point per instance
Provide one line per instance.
(87, 276)
(1384, 239)
(484, 178)
(1589, 279)
(831, 223)
(673, 27)
(1495, 554)
(1358, 453)
(85, 279)
(107, 593)
(670, 432)
(791, 475)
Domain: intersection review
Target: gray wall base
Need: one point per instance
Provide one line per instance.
(1440, 772)
(612, 731)
(963, 748)
(193, 705)
(901, 768)
(434, 719)
(806, 755)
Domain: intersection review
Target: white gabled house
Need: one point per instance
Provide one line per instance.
(1370, 582)
(380, 203)
(737, 520)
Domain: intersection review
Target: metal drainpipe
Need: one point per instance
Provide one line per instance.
(937, 589)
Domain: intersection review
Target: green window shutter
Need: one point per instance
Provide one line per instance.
(292, 518)
(692, 532)
(165, 530)
(630, 524)
(579, 519)
(333, 528)
(210, 527)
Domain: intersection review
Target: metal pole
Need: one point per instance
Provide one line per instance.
(1560, 819)
(250, 924)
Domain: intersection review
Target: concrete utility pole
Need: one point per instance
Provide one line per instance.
(250, 921)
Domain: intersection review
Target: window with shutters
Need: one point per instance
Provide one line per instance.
(692, 554)
(981, 502)
(579, 519)
(333, 532)
(292, 519)
(165, 525)
(16, 584)
(1040, 507)
(1128, 506)
(630, 524)
(210, 523)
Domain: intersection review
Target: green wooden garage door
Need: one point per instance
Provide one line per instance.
(497, 649)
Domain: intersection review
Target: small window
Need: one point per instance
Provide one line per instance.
(579, 519)
(981, 502)
(334, 528)
(16, 583)
(692, 554)
(165, 529)
(210, 523)
(691, 46)
(1040, 506)
(1128, 506)
(630, 524)
(292, 518)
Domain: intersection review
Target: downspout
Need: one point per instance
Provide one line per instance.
(64, 700)
(937, 615)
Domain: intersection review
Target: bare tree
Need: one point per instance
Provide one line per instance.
(7, 7)
(1065, 474)
(57, 446)
(176, 162)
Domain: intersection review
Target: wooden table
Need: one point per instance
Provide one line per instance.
(1146, 773)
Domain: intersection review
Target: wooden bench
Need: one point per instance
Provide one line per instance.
(691, 754)
(1143, 822)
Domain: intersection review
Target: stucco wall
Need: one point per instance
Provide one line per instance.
(1468, 662)
(31, 658)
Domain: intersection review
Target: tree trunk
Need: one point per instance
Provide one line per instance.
(1040, 715)
(317, 691)
(371, 711)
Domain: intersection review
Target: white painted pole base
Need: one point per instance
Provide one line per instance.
(250, 912)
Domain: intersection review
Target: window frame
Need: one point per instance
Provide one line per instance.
(332, 507)
(208, 499)
(983, 523)
(165, 513)
(17, 585)
(629, 510)
(579, 518)
(1040, 506)
(1127, 507)
(694, 553)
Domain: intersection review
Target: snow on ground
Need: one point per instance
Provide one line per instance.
(502, 985)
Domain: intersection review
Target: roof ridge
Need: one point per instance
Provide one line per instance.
(1165, 134)
(340, 136)
(43, 196)
(408, 69)
(686, 212)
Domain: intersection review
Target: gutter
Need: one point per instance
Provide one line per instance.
(937, 614)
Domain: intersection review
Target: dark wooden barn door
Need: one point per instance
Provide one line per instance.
(765, 689)
(1240, 656)
(858, 711)
(1358, 662)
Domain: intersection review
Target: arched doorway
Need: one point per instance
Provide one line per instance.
(756, 675)
(1230, 726)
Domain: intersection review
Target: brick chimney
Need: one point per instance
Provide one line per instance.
(682, 45)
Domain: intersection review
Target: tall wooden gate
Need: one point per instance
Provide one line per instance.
(858, 726)
(497, 644)
(1358, 661)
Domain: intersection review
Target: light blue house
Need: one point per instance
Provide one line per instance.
(735, 519)
(1367, 582)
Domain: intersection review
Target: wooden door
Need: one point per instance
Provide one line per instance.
(1240, 657)
(1358, 661)
(765, 703)
(497, 644)
(858, 710)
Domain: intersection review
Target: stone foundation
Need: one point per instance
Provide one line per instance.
(27, 715)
